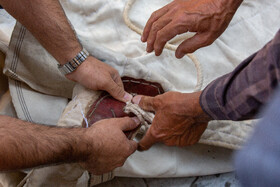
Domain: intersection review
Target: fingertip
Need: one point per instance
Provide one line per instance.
(149, 49)
(136, 120)
(136, 99)
(127, 97)
(179, 54)
(147, 141)
(143, 38)
(158, 52)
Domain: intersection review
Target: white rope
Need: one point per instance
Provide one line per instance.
(167, 46)
(146, 118)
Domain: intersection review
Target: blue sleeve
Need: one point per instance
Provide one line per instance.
(258, 163)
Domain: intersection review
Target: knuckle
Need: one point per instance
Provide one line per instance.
(115, 72)
(157, 102)
(155, 134)
(181, 21)
(116, 90)
(154, 14)
(160, 37)
(155, 27)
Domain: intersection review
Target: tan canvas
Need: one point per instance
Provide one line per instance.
(41, 98)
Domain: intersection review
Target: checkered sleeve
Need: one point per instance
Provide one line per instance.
(240, 94)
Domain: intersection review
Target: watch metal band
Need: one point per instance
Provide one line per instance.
(72, 65)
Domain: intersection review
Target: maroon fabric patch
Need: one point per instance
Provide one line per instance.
(108, 107)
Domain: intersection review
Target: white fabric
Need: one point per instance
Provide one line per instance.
(7, 24)
(102, 31)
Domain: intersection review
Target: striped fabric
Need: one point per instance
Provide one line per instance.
(240, 94)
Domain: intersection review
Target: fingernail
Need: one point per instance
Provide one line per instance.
(137, 121)
(136, 99)
(142, 38)
(127, 97)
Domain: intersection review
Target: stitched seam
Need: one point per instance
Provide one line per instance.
(144, 83)
(22, 101)
(17, 49)
(222, 142)
(238, 137)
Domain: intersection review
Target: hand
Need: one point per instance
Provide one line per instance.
(208, 18)
(179, 119)
(97, 75)
(107, 145)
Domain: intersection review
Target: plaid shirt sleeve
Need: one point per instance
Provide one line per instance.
(240, 94)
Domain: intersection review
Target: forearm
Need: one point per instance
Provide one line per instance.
(26, 145)
(47, 22)
(240, 94)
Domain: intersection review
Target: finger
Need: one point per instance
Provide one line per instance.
(133, 147)
(118, 80)
(117, 91)
(192, 44)
(147, 141)
(155, 16)
(157, 26)
(127, 124)
(166, 34)
(145, 102)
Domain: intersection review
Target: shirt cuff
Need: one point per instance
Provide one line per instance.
(209, 103)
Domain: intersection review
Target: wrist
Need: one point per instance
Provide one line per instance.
(198, 113)
(80, 145)
(78, 73)
(69, 55)
(74, 63)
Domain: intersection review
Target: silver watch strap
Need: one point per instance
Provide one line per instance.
(72, 65)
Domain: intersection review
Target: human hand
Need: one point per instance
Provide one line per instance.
(97, 75)
(208, 18)
(107, 145)
(179, 119)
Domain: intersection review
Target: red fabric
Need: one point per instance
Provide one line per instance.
(108, 107)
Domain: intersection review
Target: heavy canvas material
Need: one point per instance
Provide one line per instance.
(40, 93)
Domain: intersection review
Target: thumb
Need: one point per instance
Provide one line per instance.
(127, 123)
(117, 91)
(133, 146)
(145, 102)
(192, 44)
(147, 141)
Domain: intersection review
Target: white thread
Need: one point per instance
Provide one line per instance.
(81, 110)
(169, 46)
(146, 118)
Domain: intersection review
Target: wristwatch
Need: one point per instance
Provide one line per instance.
(72, 65)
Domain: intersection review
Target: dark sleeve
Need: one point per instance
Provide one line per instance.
(240, 94)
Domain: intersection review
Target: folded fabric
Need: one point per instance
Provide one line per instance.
(107, 107)
(40, 93)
